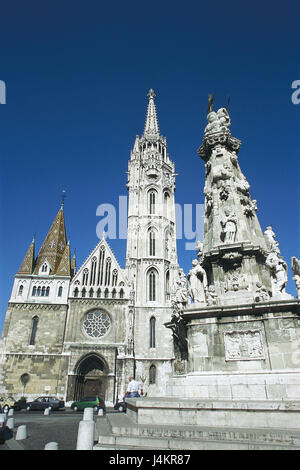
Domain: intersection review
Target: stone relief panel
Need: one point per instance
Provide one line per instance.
(243, 345)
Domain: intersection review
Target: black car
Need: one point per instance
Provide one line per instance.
(42, 403)
(20, 404)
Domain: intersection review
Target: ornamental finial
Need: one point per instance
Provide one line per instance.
(151, 93)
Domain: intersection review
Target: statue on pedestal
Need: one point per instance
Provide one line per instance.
(180, 292)
(278, 268)
(198, 282)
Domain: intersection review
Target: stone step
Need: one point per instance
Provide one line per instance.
(120, 430)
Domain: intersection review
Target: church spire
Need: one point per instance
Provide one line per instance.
(28, 262)
(54, 245)
(151, 125)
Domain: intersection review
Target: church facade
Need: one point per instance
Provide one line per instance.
(227, 329)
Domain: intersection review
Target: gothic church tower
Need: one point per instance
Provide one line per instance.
(151, 258)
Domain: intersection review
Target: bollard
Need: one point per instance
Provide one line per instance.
(47, 411)
(11, 423)
(21, 432)
(51, 446)
(11, 412)
(85, 437)
(100, 412)
(88, 414)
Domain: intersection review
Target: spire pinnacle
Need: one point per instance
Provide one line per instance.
(151, 125)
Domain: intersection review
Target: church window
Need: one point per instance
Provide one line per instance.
(60, 289)
(167, 285)
(85, 277)
(43, 291)
(113, 294)
(101, 266)
(99, 293)
(20, 290)
(93, 271)
(96, 323)
(34, 291)
(152, 332)
(151, 242)
(151, 201)
(91, 293)
(76, 292)
(106, 294)
(33, 330)
(47, 291)
(114, 277)
(152, 374)
(44, 268)
(152, 285)
(83, 292)
(107, 271)
(121, 294)
(38, 291)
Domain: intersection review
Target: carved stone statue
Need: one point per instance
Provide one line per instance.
(278, 268)
(218, 121)
(198, 282)
(296, 274)
(229, 226)
(211, 295)
(180, 292)
(271, 243)
(261, 294)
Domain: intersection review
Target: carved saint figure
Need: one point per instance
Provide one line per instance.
(229, 226)
(296, 273)
(269, 236)
(180, 291)
(198, 282)
(278, 268)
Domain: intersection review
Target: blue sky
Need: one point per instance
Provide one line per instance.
(77, 75)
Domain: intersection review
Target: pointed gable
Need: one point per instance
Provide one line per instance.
(28, 262)
(100, 275)
(54, 245)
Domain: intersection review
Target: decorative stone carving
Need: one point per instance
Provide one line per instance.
(235, 281)
(261, 293)
(224, 192)
(242, 185)
(218, 121)
(296, 273)
(198, 282)
(229, 227)
(211, 296)
(243, 345)
(250, 206)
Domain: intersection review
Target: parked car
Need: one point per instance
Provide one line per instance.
(20, 404)
(120, 406)
(41, 403)
(6, 403)
(94, 401)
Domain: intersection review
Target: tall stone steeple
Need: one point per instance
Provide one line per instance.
(27, 265)
(151, 242)
(241, 265)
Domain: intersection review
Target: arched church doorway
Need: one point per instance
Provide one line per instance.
(90, 377)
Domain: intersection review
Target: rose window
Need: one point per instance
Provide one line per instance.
(96, 323)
